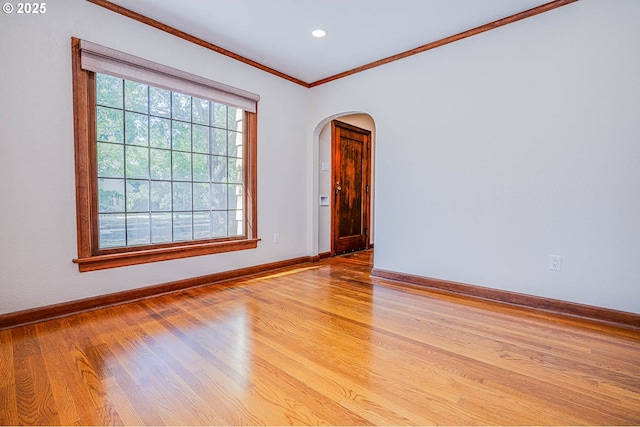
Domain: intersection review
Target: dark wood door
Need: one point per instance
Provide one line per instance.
(351, 160)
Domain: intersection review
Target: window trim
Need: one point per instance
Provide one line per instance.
(89, 256)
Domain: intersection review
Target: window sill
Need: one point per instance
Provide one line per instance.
(100, 262)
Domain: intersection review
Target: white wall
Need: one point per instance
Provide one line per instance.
(325, 187)
(37, 182)
(499, 150)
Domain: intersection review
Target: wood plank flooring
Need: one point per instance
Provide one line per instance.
(319, 344)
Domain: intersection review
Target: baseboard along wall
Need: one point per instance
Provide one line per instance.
(582, 312)
(41, 314)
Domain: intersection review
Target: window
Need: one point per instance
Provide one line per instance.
(169, 165)
(165, 161)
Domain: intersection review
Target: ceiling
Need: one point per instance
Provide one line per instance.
(277, 33)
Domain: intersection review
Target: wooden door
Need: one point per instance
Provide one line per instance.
(351, 160)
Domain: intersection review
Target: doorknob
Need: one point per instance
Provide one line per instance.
(338, 188)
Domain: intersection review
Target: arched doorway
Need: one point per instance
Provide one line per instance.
(323, 185)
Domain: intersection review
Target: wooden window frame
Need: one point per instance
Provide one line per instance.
(90, 257)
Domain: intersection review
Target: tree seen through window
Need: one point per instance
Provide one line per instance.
(169, 166)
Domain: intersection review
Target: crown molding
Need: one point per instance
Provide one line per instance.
(420, 49)
(193, 39)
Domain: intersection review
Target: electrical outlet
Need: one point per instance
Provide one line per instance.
(276, 237)
(555, 262)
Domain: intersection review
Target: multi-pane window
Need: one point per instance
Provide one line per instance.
(166, 161)
(169, 165)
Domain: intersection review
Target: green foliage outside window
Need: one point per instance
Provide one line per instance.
(170, 166)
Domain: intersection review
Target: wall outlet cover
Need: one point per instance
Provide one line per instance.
(555, 262)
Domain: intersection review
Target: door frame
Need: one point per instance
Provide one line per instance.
(366, 199)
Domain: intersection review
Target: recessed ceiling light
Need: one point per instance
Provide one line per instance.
(318, 33)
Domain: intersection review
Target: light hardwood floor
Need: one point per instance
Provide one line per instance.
(318, 344)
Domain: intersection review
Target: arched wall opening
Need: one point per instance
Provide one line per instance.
(322, 176)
